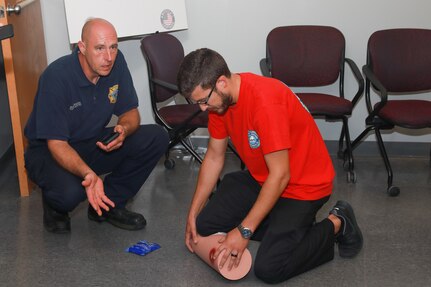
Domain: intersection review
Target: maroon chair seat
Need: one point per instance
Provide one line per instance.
(174, 116)
(322, 104)
(413, 114)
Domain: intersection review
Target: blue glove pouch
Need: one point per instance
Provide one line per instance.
(143, 248)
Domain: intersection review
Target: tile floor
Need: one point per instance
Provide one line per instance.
(397, 234)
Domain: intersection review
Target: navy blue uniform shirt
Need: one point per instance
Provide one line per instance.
(69, 107)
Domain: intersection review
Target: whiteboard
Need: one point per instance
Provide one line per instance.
(129, 17)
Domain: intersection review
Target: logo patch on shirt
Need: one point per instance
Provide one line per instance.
(75, 105)
(113, 94)
(253, 139)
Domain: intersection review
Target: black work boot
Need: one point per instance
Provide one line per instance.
(119, 217)
(55, 221)
(349, 238)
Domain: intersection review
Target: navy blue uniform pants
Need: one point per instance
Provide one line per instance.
(291, 240)
(127, 168)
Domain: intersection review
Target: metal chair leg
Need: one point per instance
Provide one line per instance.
(191, 150)
(392, 190)
(340, 153)
(351, 175)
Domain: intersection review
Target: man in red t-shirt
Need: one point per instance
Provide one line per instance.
(288, 178)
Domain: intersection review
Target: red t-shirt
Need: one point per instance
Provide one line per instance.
(269, 117)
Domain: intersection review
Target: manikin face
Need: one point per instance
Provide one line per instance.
(99, 49)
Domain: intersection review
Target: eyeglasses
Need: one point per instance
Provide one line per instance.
(204, 101)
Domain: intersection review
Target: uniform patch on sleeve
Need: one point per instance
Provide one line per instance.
(253, 139)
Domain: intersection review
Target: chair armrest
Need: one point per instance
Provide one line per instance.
(169, 86)
(358, 76)
(184, 125)
(383, 93)
(264, 68)
(165, 84)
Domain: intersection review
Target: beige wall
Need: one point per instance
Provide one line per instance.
(237, 29)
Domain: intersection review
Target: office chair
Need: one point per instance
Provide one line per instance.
(398, 69)
(163, 54)
(314, 57)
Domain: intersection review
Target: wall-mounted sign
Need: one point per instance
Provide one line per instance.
(130, 17)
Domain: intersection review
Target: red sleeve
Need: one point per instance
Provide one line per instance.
(272, 125)
(216, 126)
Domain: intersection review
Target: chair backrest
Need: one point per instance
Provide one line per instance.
(401, 59)
(306, 56)
(163, 53)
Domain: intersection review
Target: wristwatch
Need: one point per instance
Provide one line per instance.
(245, 232)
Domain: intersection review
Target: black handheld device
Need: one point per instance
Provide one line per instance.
(109, 138)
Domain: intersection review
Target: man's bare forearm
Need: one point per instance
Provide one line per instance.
(68, 158)
(130, 121)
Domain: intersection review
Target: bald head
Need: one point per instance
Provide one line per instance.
(94, 26)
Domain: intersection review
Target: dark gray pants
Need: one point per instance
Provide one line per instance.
(128, 168)
(291, 241)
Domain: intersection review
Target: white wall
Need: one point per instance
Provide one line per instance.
(237, 30)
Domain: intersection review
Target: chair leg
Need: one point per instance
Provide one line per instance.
(169, 163)
(392, 190)
(190, 142)
(340, 153)
(351, 175)
(358, 140)
(191, 150)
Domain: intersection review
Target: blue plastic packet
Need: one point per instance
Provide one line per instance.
(143, 248)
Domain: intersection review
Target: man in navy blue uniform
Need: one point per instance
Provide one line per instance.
(76, 98)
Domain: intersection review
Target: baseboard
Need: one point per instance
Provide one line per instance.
(368, 148)
(393, 149)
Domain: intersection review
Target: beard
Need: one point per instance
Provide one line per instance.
(227, 101)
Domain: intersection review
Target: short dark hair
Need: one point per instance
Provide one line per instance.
(201, 67)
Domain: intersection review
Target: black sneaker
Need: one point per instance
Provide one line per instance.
(119, 217)
(55, 221)
(349, 238)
